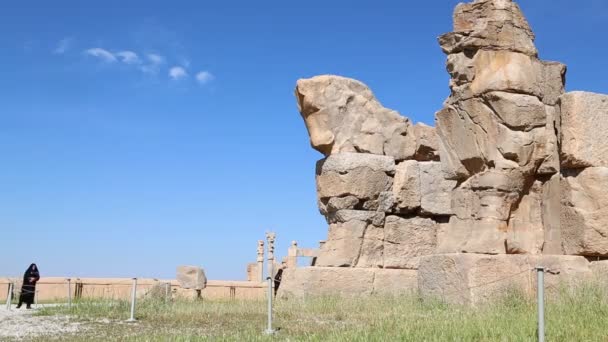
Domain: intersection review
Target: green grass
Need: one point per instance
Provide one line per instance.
(580, 315)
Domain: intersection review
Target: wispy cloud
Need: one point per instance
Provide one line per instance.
(63, 46)
(204, 77)
(102, 54)
(177, 73)
(128, 57)
(154, 63)
(149, 63)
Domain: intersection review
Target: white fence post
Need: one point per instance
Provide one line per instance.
(69, 293)
(133, 297)
(540, 291)
(9, 296)
(269, 330)
(167, 292)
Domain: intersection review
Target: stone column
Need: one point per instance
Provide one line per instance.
(260, 261)
(270, 237)
(292, 255)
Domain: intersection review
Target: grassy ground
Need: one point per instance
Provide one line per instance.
(579, 316)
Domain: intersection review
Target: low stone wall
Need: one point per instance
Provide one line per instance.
(56, 289)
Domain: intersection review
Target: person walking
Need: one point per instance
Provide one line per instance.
(28, 289)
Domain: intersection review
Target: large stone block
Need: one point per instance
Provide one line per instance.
(583, 215)
(407, 239)
(584, 133)
(191, 277)
(353, 176)
(342, 115)
(551, 204)
(476, 278)
(345, 282)
(427, 143)
(436, 191)
(489, 24)
(350, 231)
(519, 73)
(406, 186)
(525, 233)
(395, 282)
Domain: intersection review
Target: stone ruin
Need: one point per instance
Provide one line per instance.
(512, 176)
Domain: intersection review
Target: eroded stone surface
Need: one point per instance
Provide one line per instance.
(345, 282)
(513, 174)
(584, 218)
(584, 129)
(407, 239)
(342, 115)
(191, 277)
(476, 278)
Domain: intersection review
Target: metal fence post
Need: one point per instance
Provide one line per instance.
(540, 291)
(133, 296)
(269, 330)
(9, 296)
(167, 291)
(69, 293)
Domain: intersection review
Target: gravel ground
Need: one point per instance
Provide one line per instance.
(21, 323)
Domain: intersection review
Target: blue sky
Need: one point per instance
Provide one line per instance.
(137, 136)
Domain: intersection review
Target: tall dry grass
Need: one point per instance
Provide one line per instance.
(579, 314)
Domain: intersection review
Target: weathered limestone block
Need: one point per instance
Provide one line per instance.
(372, 248)
(191, 277)
(395, 282)
(584, 133)
(407, 239)
(406, 186)
(551, 206)
(491, 24)
(326, 281)
(427, 143)
(351, 176)
(484, 236)
(476, 278)
(348, 235)
(583, 215)
(345, 282)
(547, 144)
(342, 115)
(517, 111)
(460, 154)
(525, 233)
(519, 73)
(477, 134)
(436, 191)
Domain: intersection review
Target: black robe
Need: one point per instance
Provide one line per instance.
(28, 289)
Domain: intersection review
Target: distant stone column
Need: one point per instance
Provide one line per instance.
(292, 255)
(260, 260)
(270, 237)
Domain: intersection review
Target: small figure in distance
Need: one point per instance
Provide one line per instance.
(28, 289)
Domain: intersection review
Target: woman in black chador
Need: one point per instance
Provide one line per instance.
(28, 289)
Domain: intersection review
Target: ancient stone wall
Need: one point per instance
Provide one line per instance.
(514, 165)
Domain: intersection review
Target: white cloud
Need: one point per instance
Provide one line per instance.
(63, 46)
(185, 62)
(177, 73)
(204, 77)
(128, 57)
(156, 59)
(102, 54)
(153, 66)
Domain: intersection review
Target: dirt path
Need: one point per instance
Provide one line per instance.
(20, 323)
